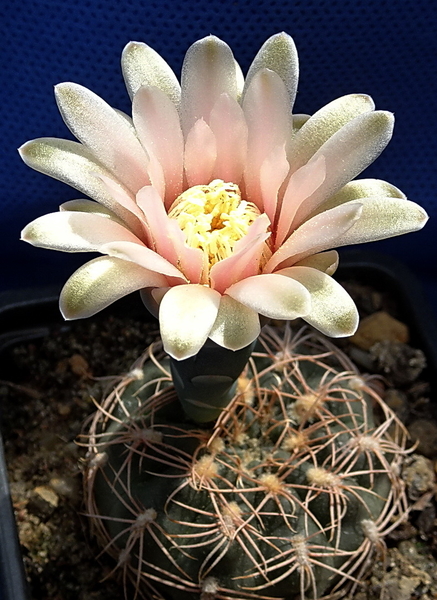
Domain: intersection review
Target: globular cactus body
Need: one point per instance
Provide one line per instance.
(285, 496)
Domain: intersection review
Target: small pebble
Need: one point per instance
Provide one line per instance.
(47, 494)
(43, 502)
(378, 327)
(79, 365)
(64, 486)
(64, 410)
(419, 476)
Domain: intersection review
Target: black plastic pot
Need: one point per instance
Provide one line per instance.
(29, 314)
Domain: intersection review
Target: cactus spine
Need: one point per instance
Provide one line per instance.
(287, 495)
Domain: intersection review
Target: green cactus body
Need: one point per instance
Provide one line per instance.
(287, 495)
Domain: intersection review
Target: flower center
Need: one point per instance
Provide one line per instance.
(213, 218)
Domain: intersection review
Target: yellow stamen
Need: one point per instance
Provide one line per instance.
(213, 217)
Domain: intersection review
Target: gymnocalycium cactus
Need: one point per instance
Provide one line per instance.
(290, 492)
(222, 207)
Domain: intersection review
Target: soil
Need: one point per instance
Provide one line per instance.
(53, 381)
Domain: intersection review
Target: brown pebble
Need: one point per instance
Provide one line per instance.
(47, 494)
(418, 475)
(378, 327)
(64, 410)
(64, 486)
(79, 365)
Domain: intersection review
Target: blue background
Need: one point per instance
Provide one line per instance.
(385, 48)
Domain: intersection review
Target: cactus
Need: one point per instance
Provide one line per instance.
(287, 495)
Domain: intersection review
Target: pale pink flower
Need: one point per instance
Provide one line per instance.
(214, 197)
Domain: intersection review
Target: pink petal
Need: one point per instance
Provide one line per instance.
(207, 72)
(273, 173)
(246, 257)
(200, 154)
(273, 296)
(266, 108)
(123, 199)
(318, 234)
(304, 182)
(229, 127)
(157, 123)
(156, 175)
(108, 135)
(143, 256)
(168, 239)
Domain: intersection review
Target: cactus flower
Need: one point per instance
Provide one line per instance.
(214, 198)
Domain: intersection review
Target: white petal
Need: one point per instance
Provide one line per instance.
(75, 165)
(142, 65)
(327, 262)
(102, 281)
(333, 311)
(323, 124)
(75, 232)
(126, 117)
(208, 72)
(105, 133)
(319, 233)
(273, 296)
(299, 121)
(240, 81)
(348, 152)
(383, 218)
(88, 206)
(278, 54)
(236, 325)
(186, 316)
(361, 188)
